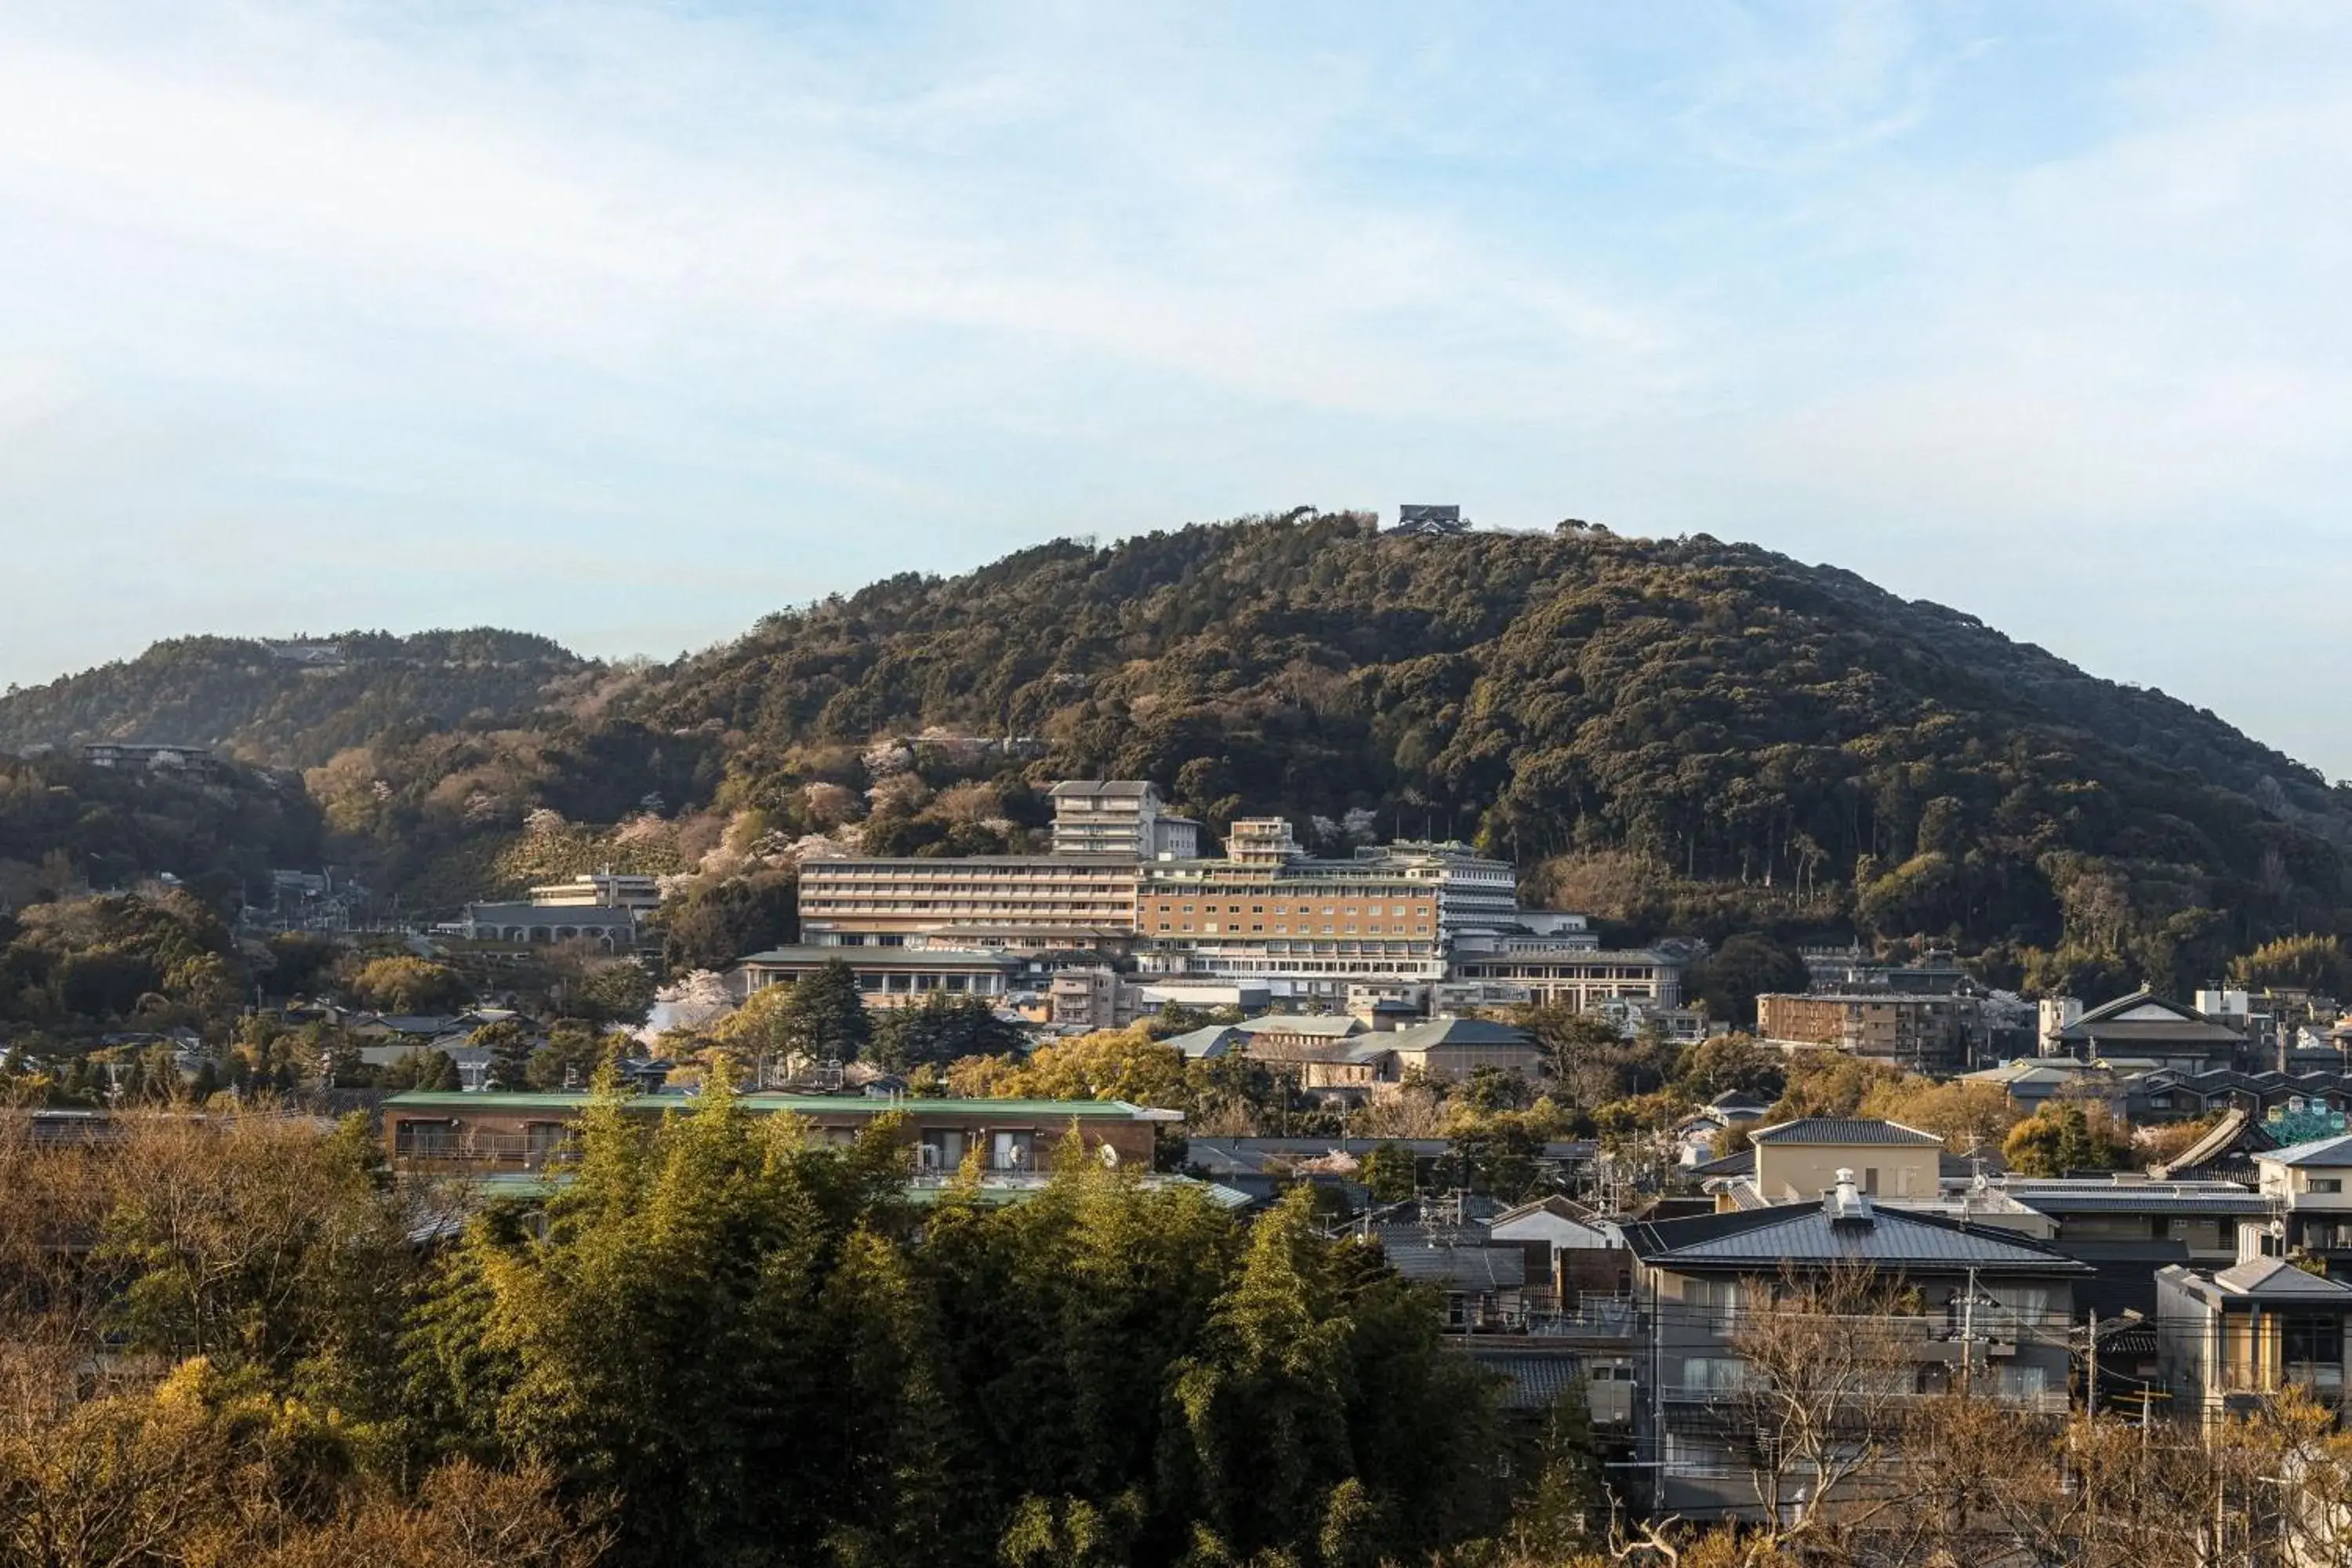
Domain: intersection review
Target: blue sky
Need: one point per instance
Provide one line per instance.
(628, 323)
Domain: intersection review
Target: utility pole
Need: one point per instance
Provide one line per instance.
(2091, 1382)
(1968, 1337)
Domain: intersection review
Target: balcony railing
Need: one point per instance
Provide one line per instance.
(2040, 1401)
(483, 1152)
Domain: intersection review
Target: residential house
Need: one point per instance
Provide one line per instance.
(2227, 1340)
(1987, 1308)
(2309, 1188)
(1800, 1160)
(1577, 1250)
(1485, 1285)
(2032, 1082)
(2127, 1229)
(2169, 1094)
(2225, 1153)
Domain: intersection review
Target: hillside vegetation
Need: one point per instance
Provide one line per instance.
(1679, 730)
(1677, 734)
(291, 704)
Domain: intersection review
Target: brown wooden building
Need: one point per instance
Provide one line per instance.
(486, 1134)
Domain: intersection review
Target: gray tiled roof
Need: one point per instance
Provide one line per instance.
(1456, 1032)
(2137, 1200)
(1532, 1381)
(1211, 1040)
(2275, 1278)
(1463, 1267)
(1339, 1027)
(1842, 1129)
(1805, 1234)
(2336, 1150)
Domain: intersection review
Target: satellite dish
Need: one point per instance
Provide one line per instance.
(1111, 1157)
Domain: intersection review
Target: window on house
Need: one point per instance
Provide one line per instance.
(1714, 1374)
(2326, 1183)
(2315, 1351)
(1014, 1152)
(1870, 1179)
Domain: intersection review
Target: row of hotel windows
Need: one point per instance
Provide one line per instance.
(855, 906)
(1233, 928)
(1302, 909)
(1243, 947)
(1557, 972)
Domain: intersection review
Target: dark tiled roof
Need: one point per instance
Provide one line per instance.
(2104, 1199)
(1463, 1268)
(1805, 1234)
(1842, 1129)
(1740, 1164)
(1532, 1381)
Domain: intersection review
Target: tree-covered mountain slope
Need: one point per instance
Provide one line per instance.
(292, 704)
(1629, 717)
(1677, 735)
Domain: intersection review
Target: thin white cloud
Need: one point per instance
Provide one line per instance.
(305, 288)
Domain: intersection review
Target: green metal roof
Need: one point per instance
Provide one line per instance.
(799, 1104)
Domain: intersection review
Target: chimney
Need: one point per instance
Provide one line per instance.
(1844, 1203)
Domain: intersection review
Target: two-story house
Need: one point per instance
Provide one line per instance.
(1957, 1306)
(2227, 1340)
(2126, 1228)
(2309, 1187)
(1797, 1161)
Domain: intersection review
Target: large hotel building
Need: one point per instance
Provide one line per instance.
(1126, 877)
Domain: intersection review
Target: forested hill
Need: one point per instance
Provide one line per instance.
(1676, 734)
(1660, 721)
(293, 703)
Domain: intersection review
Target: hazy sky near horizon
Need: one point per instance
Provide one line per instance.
(630, 322)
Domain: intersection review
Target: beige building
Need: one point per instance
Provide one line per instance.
(1798, 1162)
(1019, 901)
(1120, 816)
(601, 890)
(1581, 977)
(891, 976)
(1309, 929)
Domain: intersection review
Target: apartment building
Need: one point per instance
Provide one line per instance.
(1918, 1033)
